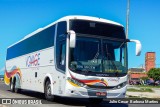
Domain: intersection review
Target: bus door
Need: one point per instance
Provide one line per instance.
(61, 57)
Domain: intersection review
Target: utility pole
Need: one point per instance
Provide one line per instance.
(127, 18)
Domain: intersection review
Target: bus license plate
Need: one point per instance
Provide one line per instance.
(101, 93)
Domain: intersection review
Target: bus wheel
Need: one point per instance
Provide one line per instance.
(95, 100)
(16, 90)
(12, 86)
(47, 91)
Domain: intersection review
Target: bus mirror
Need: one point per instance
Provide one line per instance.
(72, 40)
(138, 46)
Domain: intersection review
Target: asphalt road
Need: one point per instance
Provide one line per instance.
(60, 102)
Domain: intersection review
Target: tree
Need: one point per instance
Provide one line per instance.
(154, 73)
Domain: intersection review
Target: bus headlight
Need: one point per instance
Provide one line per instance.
(120, 85)
(75, 81)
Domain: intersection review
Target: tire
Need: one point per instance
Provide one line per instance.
(13, 86)
(95, 100)
(17, 90)
(47, 91)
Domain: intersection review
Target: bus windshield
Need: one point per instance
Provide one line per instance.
(97, 55)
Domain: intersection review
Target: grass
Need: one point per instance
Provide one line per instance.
(136, 97)
(142, 98)
(147, 86)
(140, 90)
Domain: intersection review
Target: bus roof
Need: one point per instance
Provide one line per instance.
(89, 18)
(66, 18)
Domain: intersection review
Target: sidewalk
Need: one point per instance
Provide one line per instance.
(143, 94)
(154, 94)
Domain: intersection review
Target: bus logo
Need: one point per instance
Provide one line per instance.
(33, 60)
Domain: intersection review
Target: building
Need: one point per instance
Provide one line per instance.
(136, 70)
(150, 58)
(136, 73)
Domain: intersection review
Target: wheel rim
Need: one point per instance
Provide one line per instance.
(49, 90)
(11, 85)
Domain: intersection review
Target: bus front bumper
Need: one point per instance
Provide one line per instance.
(81, 92)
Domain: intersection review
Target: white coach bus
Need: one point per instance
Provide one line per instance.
(76, 56)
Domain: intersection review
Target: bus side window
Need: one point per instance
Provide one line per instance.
(62, 53)
(61, 46)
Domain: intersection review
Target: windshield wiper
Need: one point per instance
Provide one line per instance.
(113, 64)
(97, 54)
(87, 72)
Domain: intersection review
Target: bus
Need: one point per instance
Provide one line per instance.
(75, 56)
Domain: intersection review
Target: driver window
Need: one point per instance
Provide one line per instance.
(61, 46)
(62, 53)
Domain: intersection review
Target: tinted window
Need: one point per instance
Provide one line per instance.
(61, 45)
(97, 28)
(62, 56)
(96, 55)
(41, 40)
(81, 53)
(62, 28)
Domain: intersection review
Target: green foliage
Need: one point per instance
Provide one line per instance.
(144, 78)
(154, 73)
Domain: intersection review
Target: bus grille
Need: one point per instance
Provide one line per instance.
(100, 87)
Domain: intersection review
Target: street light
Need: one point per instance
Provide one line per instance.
(127, 18)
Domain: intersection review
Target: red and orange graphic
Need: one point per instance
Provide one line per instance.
(90, 81)
(9, 74)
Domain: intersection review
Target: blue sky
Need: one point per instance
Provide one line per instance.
(21, 17)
